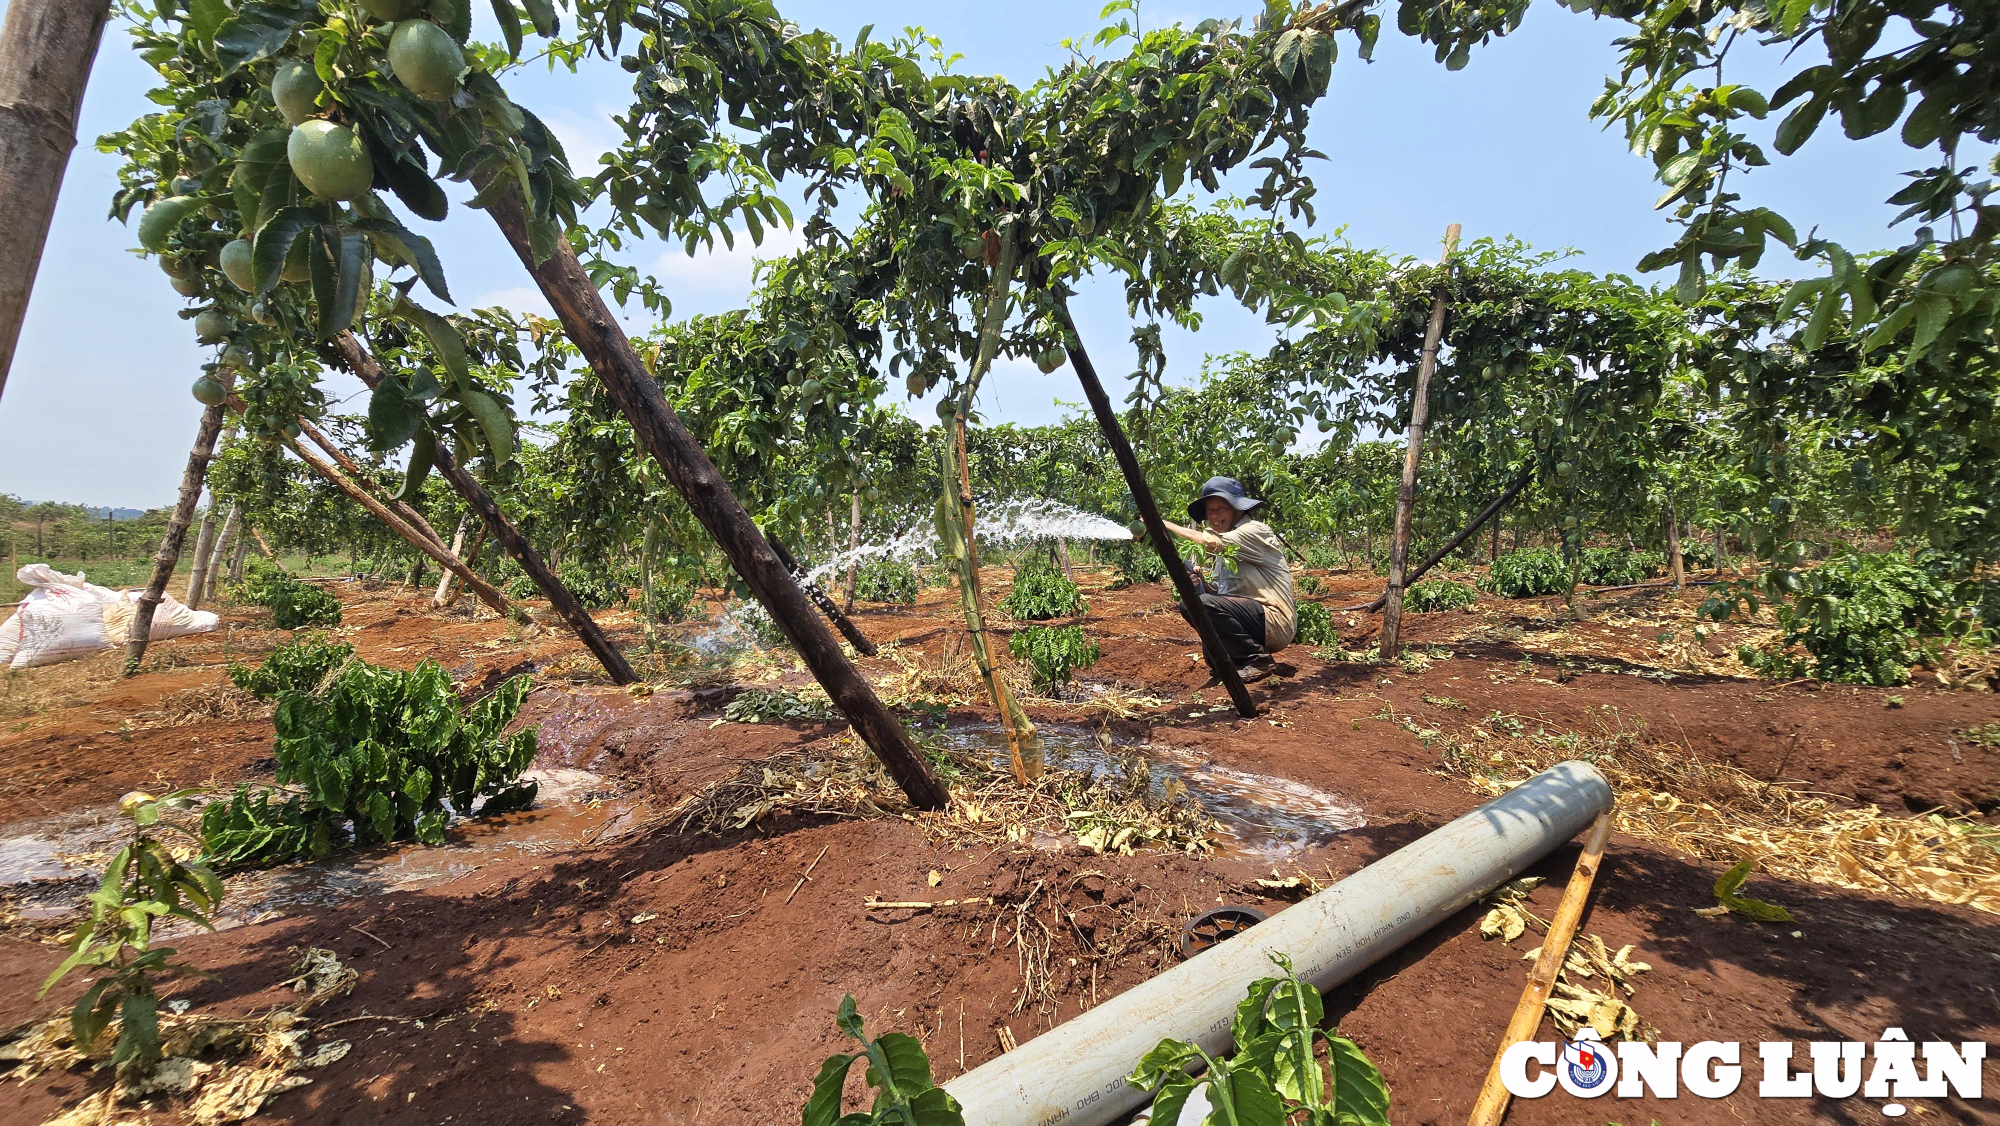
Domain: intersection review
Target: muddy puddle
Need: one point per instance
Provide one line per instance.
(47, 867)
(1262, 816)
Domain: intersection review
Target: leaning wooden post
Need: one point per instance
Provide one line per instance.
(1406, 493)
(169, 556)
(211, 568)
(1492, 509)
(358, 475)
(352, 356)
(1149, 514)
(826, 605)
(1491, 1106)
(403, 528)
(46, 48)
(591, 326)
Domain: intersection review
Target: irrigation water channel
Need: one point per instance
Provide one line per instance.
(48, 866)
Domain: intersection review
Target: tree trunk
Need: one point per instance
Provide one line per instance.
(1406, 492)
(347, 347)
(236, 560)
(1149, 513)
(1676, 568)
(169, 555)
(46, 48)
(403, 528)
(1493, 552)
(442, 596)
(206, 575)
(417, 574)
(204, 542)
(1062, 559)
(853, 551)
(833, 613)
(447, 591)
(1718, 549)
(1491, 510)
(594, 330)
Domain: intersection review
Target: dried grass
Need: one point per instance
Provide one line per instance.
(1666, 793)
(206, 703)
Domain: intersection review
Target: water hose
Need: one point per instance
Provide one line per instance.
(1074, 1074)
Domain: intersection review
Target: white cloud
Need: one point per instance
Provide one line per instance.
(584, 136)
(720, 278)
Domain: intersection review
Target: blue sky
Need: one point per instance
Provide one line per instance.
(97, 408)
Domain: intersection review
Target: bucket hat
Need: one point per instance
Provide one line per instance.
(1229, 489)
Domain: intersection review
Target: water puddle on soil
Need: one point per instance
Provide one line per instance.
(65, 855)
(1262, 816)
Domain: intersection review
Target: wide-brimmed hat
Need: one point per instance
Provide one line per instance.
(1229, 489)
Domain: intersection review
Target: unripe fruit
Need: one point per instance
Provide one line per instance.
(914, 383)
(262, 314)
(186, 287)
(236, 264)
(296, 89)
(160, 220)
(239, 357)
(212, 325)
(177, 268)
(186, 185)
(1049, 359)
(946, 410)
(425, 59)
(209, 393)
(330, 160)
(389, 11)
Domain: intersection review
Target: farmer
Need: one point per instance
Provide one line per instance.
(1251, 603)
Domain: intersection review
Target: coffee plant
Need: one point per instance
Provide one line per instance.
(1136, 563)
(1316, 626)
(886, 580)
(1274, 1074)
(1437, 595)
(1528, 573)
(300, 665)
(1041, 591)
(1612, 566)
(898, 1071)
(1865, 618)
(293, 604)
(143, 884)
(1054, 654)
(375, 755)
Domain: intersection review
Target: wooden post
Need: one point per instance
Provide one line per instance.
(169, 556)
(853, 551)
(211, 568)
(352, 356)
(442, 596)
(1406, 493)
(204, 541)
(46, 48)
(1676, 566)
(358, 475)
(1491, 510)
(591, 326)
(403, 528)
(833, 614)
(1492, 1103)
(1149, 513)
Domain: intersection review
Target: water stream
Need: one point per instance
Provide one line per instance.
(1262, 816)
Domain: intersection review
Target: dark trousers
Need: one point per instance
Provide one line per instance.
(1240, 621)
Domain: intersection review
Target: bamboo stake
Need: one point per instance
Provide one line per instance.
(958, 523)
(1149, 513)
(1491, 1106)
(442, 596)
(403, 528)
(592, 327)
(1406, 491)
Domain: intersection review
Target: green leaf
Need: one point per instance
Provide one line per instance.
(823, 1108)
(93, 1010)
(1246, 1096)
(274, 242)
(337, 315)
(161, 219)
(543, 13)
(205, 17)
(423, 455)
(494, 422)
(1727, 890)
(509, 20)
(1799, 124)
(415, 248)
(847, 1018)
(1822, 320)
(445, 341)
(138, 1029)
(256, 32)
(935, 1107)
(909, 1068)
(1358, 1087)
(393, 418)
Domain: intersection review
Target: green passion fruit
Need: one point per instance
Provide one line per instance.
(296, 88)
(212, 325)
(178, 267)
(390, 11)
(330, 160)
(236, 264)
(1049, 359)
(239, 357)
(425, 59)
(209, 391)
(186, 287)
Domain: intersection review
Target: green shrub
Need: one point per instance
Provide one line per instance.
(1527, 573)
(1315, 625)
(1311, 584)
(293, 604)
(1613, 566)
(1041, 591)
(595, 588)
(1136, 563)
(1696, 555)
(1862, 618)
(300, 665)
(375, 755)
(1437, 595)
(674, 600)
(886, 580)
(1053, 653)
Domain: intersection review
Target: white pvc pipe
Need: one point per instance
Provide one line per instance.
(1074, 1074)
